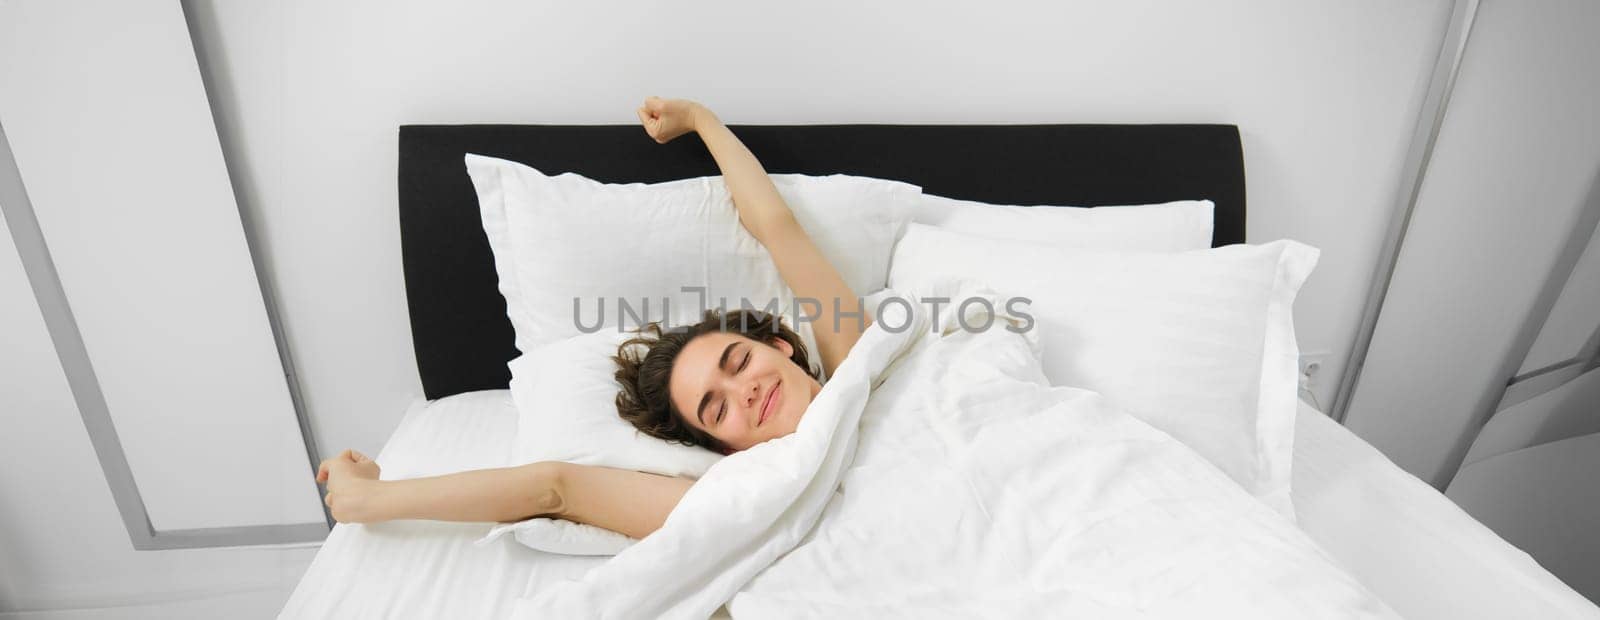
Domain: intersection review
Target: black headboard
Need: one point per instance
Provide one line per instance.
(458, 318)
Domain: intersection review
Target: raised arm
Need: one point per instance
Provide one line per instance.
(629, 502)
(768, 218)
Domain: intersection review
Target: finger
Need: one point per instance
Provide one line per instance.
(346, 455)
(327, 500)
(322, 472)
(358, 457)
(644, 118)
(655, 104)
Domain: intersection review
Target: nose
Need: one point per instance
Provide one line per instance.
(752, 394)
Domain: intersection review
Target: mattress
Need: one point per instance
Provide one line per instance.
(1401, 538)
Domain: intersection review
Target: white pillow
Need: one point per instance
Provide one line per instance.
(565, 394)
(575, 240)
(1199, 344)
(566, 398)
(1167, 227)
(561, 537)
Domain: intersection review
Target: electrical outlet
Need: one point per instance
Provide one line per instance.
(1311, 365)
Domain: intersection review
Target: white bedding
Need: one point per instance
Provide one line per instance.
(938, 474)
(1404, 541)
(429, 569)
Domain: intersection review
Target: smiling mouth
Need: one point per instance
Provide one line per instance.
(768, 405)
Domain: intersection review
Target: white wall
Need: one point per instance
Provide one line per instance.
(308, 96)
(108, 120)
(64, 549)
(62, 542)
(1576, 314)
(1517, 159)
(1571, 409)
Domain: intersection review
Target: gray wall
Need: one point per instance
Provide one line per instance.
(1500, 220)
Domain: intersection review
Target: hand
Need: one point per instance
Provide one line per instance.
(666, 119)
(350, 478)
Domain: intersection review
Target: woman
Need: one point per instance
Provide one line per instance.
(727, 383)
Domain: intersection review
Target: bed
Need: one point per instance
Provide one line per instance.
(1405, 541)
(1397, 536)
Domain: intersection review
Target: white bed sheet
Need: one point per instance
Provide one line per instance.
(428, 569)
(1406, 542)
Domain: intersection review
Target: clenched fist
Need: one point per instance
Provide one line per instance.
(666, 119)
(349, 477)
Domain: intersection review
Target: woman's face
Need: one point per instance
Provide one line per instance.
(738, 390)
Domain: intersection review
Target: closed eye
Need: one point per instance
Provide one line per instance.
(723, 409)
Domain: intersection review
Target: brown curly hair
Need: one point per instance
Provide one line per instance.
(644, 370)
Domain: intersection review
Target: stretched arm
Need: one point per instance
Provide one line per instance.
(768, 218)
(629, 502)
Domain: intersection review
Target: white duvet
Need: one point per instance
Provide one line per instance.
(938, 475)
